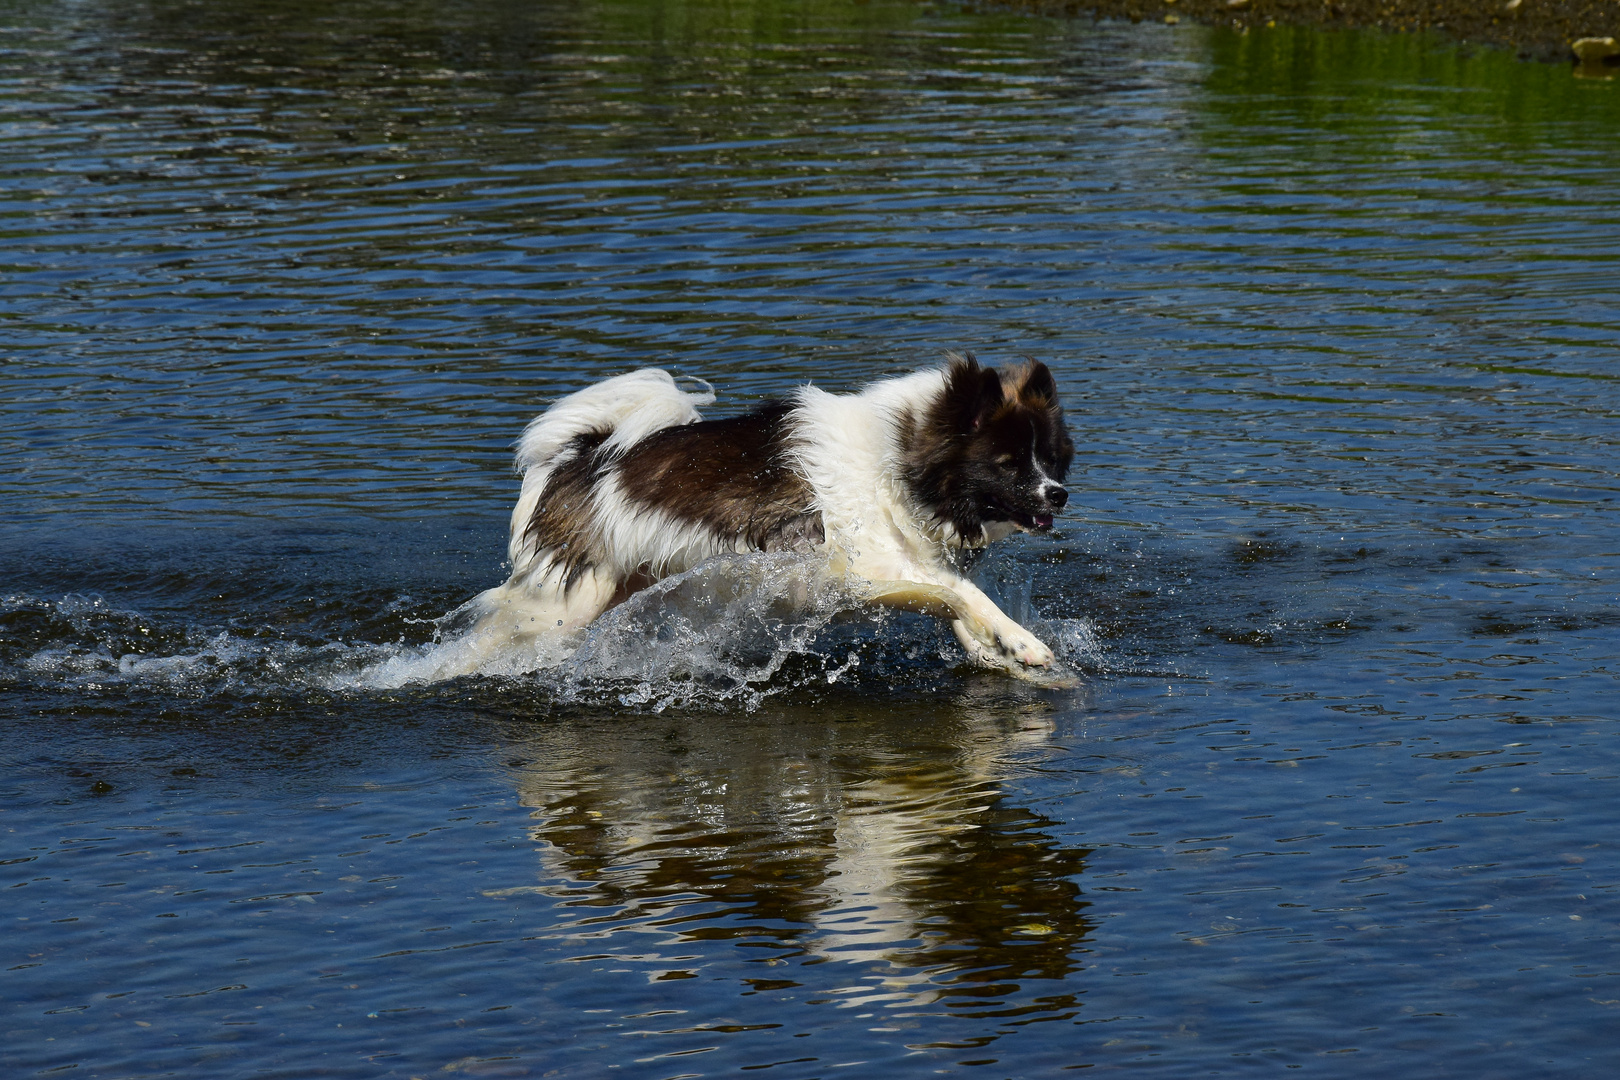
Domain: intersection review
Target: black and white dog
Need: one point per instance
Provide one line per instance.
(624, 483)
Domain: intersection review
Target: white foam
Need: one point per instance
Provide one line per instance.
(91, 643)
(223, 660)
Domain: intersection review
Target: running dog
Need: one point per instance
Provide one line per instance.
(625, 483)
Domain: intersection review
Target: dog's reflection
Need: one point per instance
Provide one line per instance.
(812, 837)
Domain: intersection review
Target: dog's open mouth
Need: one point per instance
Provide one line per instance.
(1027, 522)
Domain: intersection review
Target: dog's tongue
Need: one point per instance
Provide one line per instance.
(1043, 521)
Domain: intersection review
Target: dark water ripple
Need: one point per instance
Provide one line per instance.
(1334, 318)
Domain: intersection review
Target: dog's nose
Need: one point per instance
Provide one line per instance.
(1057, 497)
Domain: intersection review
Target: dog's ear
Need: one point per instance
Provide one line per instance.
(1039, 389)
(972, 393)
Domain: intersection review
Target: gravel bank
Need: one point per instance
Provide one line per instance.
(1535, 29)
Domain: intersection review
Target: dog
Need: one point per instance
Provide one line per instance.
(624, 483)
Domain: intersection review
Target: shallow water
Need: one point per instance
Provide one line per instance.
(1334, 318)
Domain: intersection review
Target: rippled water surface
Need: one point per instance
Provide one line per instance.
(1334, 317)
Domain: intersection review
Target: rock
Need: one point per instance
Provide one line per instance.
(1595, 50)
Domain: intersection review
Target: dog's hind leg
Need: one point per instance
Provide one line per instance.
(521, 626)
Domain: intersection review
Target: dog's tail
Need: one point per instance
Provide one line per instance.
(626, 408)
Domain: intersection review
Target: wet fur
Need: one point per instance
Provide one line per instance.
(625, 483)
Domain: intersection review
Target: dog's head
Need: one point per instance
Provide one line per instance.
(990, 454)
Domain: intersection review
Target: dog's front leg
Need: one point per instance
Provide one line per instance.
(992, 638)
(987, 633)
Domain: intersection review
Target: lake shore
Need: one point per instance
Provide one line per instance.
(1534, 29)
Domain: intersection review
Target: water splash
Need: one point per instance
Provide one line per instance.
(86, 642)
(727, 635)
(730, 632)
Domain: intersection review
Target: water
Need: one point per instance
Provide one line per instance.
(1334, 318)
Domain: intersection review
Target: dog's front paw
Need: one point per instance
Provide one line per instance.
(1010, 648)
(1024, 648)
